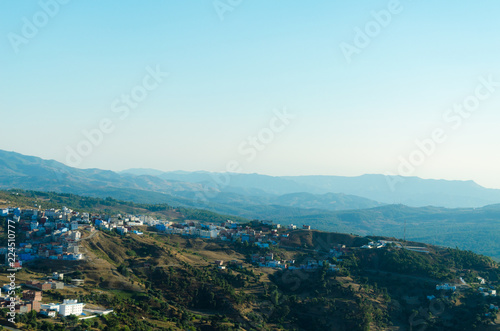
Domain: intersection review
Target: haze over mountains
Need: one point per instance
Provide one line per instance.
(324, 192)
(364, 205)
(410, 191)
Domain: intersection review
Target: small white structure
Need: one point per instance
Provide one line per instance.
(487, 292)
(70, 307)
(57, 276)
(121, 230)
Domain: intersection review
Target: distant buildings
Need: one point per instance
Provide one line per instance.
(30, 300)
(487, 292)
(446, 287)
(38, 285)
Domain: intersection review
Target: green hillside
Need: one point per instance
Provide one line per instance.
(170, 282)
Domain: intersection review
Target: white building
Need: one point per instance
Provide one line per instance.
(53, 213)
(71, 307)
(136, 223)
(145, 219)
(208, 233)
(57, 276)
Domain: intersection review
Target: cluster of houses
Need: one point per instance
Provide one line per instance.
(55, 233)
(482, 290)
(311, 264)
(193, 229)
(487, 292)
(49, 234)
(265, 237)
(123, 224)
(31, 299)
(227, 231)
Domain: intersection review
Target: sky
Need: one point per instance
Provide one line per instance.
(272, 87)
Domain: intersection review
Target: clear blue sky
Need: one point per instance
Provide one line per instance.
(227, 76)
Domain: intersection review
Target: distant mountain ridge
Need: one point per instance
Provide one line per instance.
(32, 173)
(299, 200)
(411, 191)
(324, 192)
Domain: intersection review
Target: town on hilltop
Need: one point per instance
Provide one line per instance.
(55, 234)
(58, 235)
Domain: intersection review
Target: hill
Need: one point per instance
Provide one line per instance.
(169, 282)
(255, 197)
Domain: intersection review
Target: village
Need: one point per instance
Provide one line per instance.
(56, 234)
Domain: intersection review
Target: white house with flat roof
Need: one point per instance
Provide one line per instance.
(71, 307)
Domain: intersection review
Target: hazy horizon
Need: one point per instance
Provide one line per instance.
(262, 174)
(323, 88)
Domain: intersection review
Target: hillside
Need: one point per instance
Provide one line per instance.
(470, 229)
(47, 200)
(158, 282)
(255, 197)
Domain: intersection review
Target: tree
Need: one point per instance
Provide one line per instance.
(72, 320)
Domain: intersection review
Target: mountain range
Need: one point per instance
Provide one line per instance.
(410, 191)
(450, 213)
